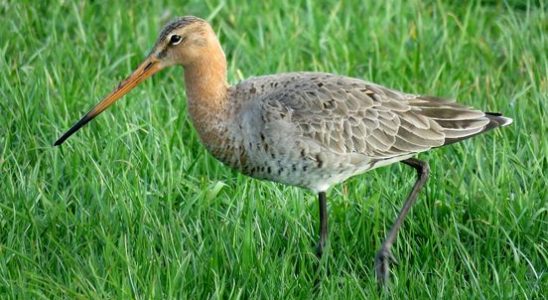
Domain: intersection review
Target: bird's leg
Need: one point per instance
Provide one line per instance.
(384, 256)
(323, 223)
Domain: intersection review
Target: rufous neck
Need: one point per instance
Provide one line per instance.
(206, 80)
(207, 93)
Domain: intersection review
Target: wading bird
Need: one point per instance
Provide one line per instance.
(305, 129)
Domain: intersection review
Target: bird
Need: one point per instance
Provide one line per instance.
(307, 129)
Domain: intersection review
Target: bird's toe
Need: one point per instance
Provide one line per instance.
(383, 259)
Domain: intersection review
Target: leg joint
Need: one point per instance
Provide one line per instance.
(424, 169)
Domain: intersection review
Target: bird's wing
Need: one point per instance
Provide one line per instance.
(347, 115)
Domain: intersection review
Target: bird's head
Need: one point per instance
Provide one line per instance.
(181, 42)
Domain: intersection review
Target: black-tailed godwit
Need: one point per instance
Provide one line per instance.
(311, 130)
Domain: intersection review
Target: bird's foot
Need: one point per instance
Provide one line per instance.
(383, 259)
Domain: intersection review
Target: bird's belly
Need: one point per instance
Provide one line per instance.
(316, 171)
(302, 172)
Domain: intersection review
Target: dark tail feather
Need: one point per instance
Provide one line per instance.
(495, 120)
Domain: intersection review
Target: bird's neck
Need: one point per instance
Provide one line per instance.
(205, 80)
(207, 92)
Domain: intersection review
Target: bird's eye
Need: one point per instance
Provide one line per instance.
(175, 39)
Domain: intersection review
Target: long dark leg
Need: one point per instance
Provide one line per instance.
(384, 256)
(323, 223)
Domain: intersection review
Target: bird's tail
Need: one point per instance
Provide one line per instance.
(495, 120)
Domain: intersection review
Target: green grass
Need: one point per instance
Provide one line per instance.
(133, 206)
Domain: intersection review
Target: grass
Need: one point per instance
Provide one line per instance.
(134, 207)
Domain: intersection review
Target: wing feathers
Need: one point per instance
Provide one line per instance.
(350, 116)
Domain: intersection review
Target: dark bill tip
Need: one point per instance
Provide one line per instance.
(73, 129)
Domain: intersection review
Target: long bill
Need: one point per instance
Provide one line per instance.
(147, 68)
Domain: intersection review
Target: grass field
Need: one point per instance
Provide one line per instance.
(133, 206)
